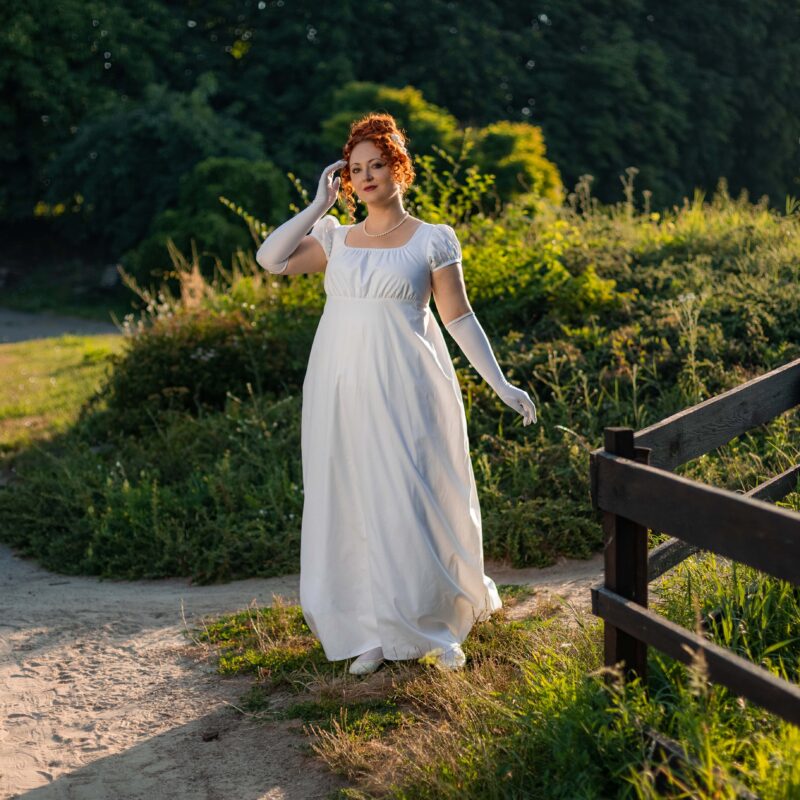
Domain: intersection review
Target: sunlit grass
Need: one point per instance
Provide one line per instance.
(532, 715)
(45, 382)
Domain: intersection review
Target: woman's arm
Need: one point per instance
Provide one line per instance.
(458, 317)
(288, 241)
(450, 293)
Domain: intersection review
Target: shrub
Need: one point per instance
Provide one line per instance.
(214, 497)
(514, 152)
(193, 361)
(427, 125)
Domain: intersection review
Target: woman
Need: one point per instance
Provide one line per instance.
(391, 561)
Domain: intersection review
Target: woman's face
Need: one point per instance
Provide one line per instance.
(370, 173)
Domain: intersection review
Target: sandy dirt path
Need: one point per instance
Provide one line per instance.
(102, 696)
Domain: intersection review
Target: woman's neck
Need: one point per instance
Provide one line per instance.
(382, 218)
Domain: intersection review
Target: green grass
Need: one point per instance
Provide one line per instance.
(533, 714)
(45, 383)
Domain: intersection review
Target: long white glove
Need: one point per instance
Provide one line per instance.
(472, 340)
(273, 255)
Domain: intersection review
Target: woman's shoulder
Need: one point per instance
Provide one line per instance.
(439, 227)
(443, 247)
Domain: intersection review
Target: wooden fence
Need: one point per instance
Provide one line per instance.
(633, 485)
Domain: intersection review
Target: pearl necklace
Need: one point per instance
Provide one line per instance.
(374, 235)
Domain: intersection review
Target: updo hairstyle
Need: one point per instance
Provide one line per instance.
(390, 140)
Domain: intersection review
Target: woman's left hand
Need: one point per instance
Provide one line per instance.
(520, 401)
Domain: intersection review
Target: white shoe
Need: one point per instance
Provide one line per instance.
(367, 662)
(452, 658)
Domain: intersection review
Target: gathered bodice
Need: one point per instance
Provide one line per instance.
(401, 273)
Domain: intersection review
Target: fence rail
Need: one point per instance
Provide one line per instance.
(632, 484)
(714, 422)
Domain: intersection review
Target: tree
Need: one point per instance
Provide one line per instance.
(59, 62)
(199, 216)
(127, 161)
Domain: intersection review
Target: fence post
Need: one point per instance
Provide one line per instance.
(625, 564)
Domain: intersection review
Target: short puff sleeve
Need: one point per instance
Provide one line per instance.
(323, 231)
(443, 247)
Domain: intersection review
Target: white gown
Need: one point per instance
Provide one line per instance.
(391, 539)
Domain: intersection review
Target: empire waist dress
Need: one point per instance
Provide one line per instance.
(391, 540)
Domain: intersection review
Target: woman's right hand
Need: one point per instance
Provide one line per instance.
(328, 188)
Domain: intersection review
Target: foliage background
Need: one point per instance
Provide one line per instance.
(105, 104)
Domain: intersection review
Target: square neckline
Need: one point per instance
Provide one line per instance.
(398, 247)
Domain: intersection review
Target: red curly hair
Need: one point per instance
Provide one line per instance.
(381, 129)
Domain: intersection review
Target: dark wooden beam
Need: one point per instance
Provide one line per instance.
(670, 553)
(778, 487)
(741, 528)
(714, 422)
(739, 675)
(625, 566)
(667, 555)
